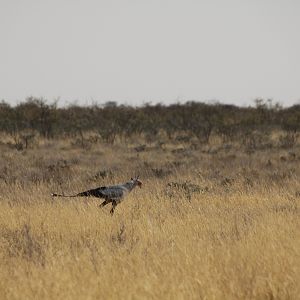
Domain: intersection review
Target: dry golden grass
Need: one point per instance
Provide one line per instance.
(236, 238)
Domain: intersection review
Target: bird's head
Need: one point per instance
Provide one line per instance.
(136, 181)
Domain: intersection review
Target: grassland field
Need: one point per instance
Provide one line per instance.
(212, 221)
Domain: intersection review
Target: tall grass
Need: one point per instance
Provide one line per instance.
(227, 227)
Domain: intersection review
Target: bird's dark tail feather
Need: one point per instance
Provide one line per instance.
(60, 195)
(98, 192)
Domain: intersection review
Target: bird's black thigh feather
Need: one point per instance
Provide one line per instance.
(104, 203)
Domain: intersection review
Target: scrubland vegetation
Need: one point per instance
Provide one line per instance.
(218, 216)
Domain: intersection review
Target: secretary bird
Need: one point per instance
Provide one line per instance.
(112, 194)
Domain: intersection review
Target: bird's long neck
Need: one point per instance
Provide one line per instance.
(129, 185)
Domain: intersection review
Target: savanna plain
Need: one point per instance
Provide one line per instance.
(213, 221)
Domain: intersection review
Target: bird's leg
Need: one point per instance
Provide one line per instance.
(114, 204)
(104, 203)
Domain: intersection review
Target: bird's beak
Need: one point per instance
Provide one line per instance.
(139, 183)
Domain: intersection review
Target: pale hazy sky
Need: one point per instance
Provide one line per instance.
(140, 51)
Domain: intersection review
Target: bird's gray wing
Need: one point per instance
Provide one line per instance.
(113, 192)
